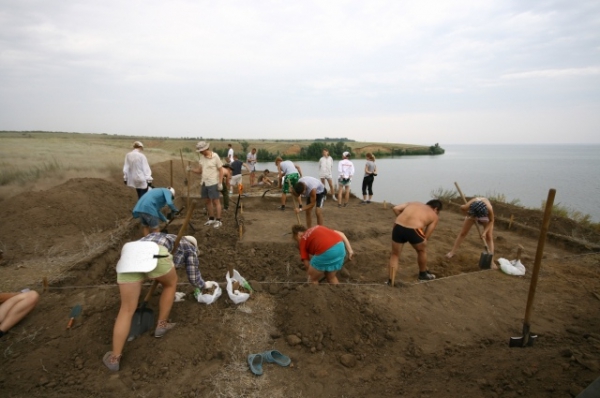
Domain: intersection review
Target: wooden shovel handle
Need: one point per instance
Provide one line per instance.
(297, 215)
(487, 249)
(539, 253)
(70, 322)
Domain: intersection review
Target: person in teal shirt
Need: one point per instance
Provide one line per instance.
(148, 208)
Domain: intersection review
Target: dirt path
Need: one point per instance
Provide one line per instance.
(448, 337)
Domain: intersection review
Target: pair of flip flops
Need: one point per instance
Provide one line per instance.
(272, 356)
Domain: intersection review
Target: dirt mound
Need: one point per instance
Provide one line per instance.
(442, 338)
(57, 221)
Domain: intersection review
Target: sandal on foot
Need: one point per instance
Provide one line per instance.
(277, 357)
(255, 362)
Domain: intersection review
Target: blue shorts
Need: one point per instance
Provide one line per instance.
(148, 220)
(330, 260)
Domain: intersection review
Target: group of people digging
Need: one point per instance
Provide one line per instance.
(323, 251)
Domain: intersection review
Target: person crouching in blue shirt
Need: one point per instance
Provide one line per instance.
(148, 208)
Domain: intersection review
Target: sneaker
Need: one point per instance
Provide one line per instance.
(210, 222)
(363, 202)
(334, 198)
(368, 201)
(217, 224)
(231, 192)
(163, 328)
(345, 204)
(339, 206)
(111, 362)
(427, 276)
(282, 208)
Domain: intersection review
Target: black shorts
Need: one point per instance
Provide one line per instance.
(320, 199)
(401, 234)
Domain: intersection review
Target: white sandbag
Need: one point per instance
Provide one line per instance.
(513, 267)
(210, 298)
(235, 295)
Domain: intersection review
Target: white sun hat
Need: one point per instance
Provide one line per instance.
(192, 240)
(138, 257)
(172, 191)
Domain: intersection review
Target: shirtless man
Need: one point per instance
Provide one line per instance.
(415, 223)
(478, 210)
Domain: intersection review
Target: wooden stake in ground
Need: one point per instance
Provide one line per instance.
(171, 185)
(527, 339)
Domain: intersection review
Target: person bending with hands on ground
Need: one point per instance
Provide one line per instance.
(136, 170)
(414, 224)
(478, 210)
(288, 174)
(323, 251)
(314, 191)
(147, 209)
(370, 173)
(211, 168)
(326, 171)
(14, 307)
(135, 256)
(345, 173)
(251, 160)
(186, 254)
(264, 179)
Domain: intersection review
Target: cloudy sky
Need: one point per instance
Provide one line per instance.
(447, 71)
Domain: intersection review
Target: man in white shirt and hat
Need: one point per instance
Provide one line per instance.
(136, 170)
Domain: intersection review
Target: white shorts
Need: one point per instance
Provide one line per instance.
(326, 176)
(235, 180)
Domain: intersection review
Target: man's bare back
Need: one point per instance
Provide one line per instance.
(416, 215)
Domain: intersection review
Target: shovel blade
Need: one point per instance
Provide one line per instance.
(525, 341)
(485, 261)
(141, 322)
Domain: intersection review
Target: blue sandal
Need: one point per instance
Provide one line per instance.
(277, 357)
(255, 361)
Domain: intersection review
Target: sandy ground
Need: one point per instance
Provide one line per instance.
(448, 337)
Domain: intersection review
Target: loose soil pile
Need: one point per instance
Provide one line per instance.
(448, 337)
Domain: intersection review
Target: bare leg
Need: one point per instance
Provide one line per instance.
(314, 275)
(340, 188)
(394, 257)
(489, 238)
(16, 308)
(319, 214)
(283, 199)
(209, 208)
(332, 278)
(217, 204)
(421, 256)
(309, 219)
(130, 293)
(347, 195)
(461, 236)
(169, 284)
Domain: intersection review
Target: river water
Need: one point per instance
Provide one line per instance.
(523, 172)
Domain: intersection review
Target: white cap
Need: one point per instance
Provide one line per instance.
(192, 240)
(172, 191)
(346, 154)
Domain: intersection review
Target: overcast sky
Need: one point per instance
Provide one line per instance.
(447, 71)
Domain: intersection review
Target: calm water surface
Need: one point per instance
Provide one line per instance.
(523, 172)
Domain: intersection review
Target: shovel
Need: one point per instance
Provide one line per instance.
(485, 260)
(75, 312)
(143, 318)
(527, 339)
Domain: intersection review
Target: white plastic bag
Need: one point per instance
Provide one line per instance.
(513, 267)
(235, 295)
(210, 298)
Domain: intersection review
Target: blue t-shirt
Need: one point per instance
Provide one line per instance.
(153, 201)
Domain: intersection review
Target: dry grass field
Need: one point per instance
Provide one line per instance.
(40, 160)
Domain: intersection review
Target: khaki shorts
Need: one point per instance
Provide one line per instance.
(162, 268)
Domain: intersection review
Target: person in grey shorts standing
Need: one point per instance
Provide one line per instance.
(370, 173)
(211, 168)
